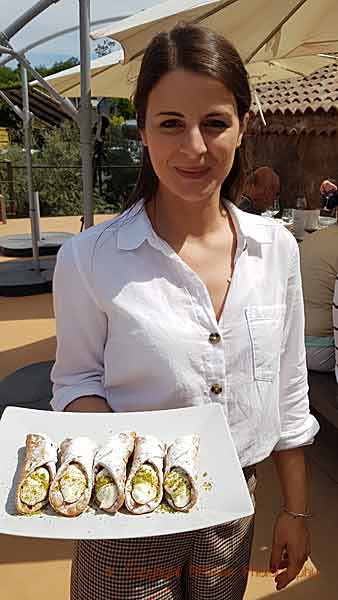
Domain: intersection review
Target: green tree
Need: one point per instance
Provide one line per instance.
(9, 78)
(119, 170)
(58, 66)
(124, 108)
(57, 172)
(106, 47)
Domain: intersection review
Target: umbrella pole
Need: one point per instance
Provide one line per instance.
(86, 114)
(27, 134)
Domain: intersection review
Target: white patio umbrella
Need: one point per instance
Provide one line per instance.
(257, 28)
(110, 78)
(103, 78)
(260, 29)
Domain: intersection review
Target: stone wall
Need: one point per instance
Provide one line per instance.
(302, 149)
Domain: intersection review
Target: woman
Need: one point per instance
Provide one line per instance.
(182, 300)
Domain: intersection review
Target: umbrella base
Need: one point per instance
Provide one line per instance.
(19, 278)
(28, 387)
(20, 244)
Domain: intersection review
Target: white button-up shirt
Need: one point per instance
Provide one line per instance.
(134, 325)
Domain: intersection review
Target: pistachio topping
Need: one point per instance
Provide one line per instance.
(34, 488)
(165, 508)
(145, 484)
(177, 486)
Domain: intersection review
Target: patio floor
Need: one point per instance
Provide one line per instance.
(29, 568)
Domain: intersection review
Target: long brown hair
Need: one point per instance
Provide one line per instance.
(202, 51)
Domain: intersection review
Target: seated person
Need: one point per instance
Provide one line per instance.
(319, 267)
(261, 191)
(329, 196)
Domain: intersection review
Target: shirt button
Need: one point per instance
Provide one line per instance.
(216, 388)
(214, 338)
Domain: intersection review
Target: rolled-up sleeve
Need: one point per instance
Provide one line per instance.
(298, 426)
(81, 331)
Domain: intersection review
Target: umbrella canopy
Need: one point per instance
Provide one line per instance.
(285, 68)
(277, 40)
(105, 75)
(260, 29)
(109, 78)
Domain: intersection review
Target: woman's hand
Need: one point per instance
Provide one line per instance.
(290, 548)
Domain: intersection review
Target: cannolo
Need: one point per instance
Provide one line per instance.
(36, 474)
(144, 487)
(180, 473)
(110, 470)
(71, 488)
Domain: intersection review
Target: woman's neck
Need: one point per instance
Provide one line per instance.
(177, 221)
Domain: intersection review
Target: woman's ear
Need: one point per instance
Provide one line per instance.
(143, 137)
(243, 128)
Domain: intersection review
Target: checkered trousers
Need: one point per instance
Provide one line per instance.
(207, 564)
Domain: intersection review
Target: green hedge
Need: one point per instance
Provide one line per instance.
(57, 173)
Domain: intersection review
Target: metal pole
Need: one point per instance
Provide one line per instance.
(13, 106)
(12, 206)
(28, 153)
(53, 36)
(36, 202)
(32, 12)
(86, 114)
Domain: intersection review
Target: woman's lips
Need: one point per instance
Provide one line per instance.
(192, 173)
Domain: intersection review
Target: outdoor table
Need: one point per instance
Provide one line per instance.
(28, 387)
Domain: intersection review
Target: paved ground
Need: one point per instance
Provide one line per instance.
(31, 569)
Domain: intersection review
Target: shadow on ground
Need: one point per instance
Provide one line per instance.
(26, 308)
(25, 355)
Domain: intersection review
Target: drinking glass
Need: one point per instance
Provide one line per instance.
(287, 215)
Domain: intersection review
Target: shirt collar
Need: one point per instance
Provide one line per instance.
(136, 227)
(249, 226)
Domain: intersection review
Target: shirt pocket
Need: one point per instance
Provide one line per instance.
(266, 325)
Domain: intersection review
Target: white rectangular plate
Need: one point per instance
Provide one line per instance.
(223, 493)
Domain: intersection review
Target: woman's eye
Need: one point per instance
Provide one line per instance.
(170, 123)
(216, 123)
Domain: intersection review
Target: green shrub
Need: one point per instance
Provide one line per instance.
(57, 172)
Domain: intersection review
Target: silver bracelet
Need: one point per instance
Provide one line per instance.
(306, 515)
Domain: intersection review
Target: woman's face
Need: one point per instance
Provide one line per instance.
(192, 131)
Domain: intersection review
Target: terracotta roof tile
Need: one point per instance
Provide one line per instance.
(319, 90)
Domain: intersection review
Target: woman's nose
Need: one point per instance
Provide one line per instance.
(193, 142)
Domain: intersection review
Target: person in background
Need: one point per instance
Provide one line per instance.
(261, 191)
(329, 196)
(103, 118)
(319, 267)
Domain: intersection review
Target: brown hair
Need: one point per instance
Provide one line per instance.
(202, 51)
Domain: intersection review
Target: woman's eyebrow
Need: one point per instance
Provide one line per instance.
(172, 113)
(169, 112)
(218, 114)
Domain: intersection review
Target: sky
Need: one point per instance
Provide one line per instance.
(57, 17)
